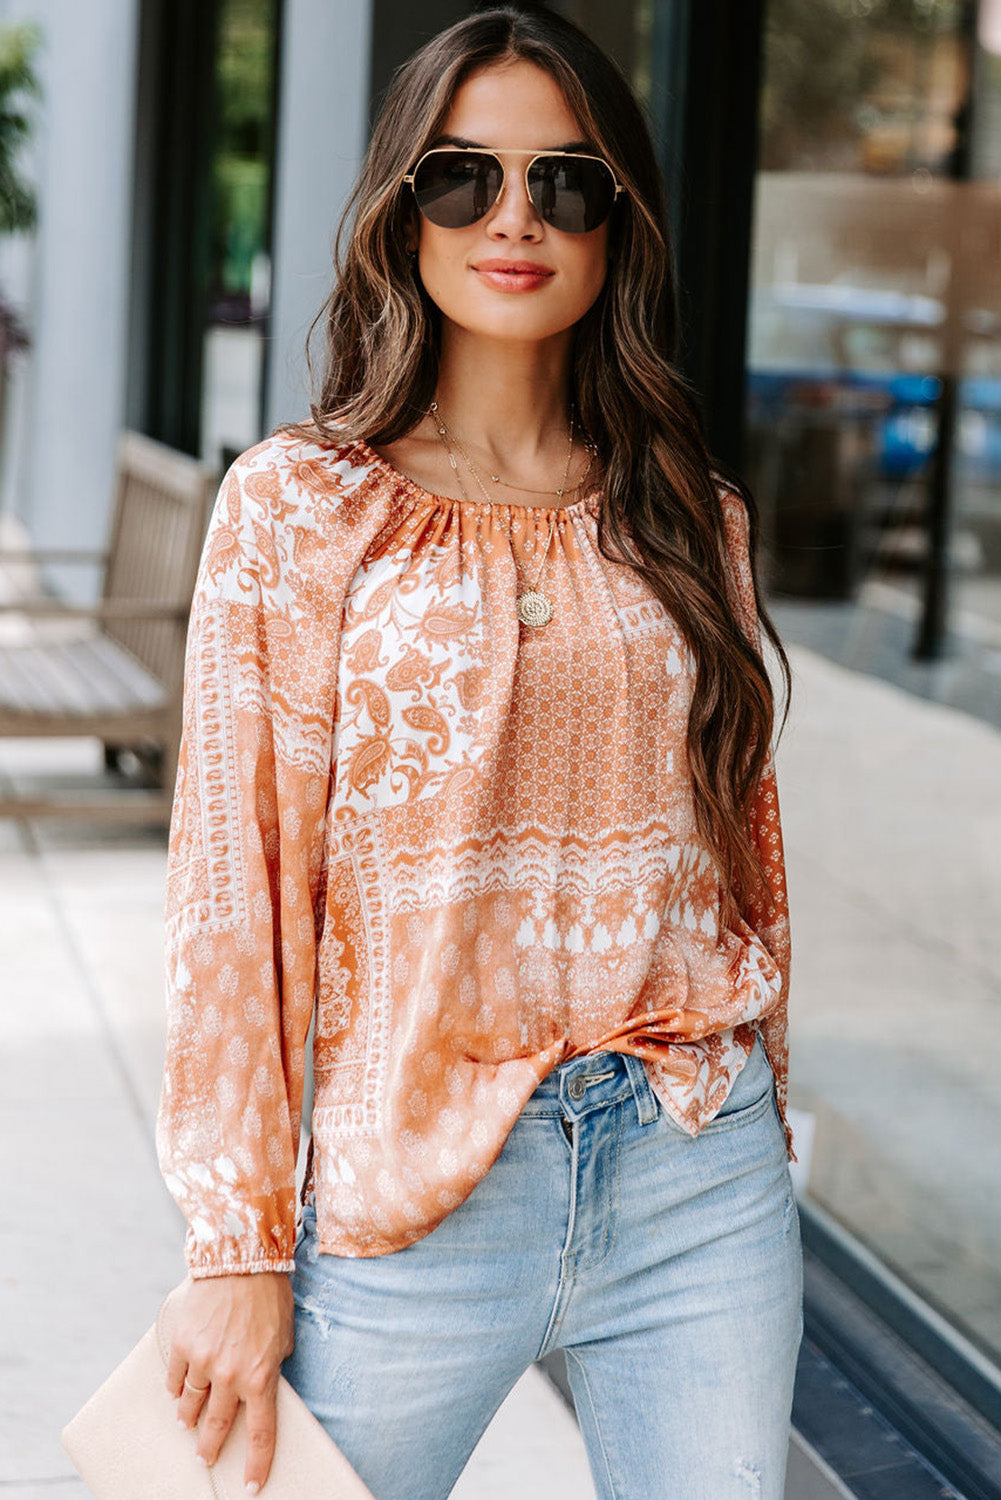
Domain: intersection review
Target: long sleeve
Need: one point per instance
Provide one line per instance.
(244, 855)
(768, 916)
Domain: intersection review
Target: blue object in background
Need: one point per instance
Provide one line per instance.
(904, 421)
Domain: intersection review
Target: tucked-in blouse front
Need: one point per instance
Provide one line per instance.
(467, 842)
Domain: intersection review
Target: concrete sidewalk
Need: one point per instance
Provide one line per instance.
(891, 820)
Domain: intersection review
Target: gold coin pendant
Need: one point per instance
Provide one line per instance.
(534, 608)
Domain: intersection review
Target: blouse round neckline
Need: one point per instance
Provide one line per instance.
(428, 497)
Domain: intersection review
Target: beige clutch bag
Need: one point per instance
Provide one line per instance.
(126, 1442)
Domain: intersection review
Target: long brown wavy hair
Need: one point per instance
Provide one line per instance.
(660, 507)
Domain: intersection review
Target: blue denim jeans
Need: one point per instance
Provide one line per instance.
(668, 1270)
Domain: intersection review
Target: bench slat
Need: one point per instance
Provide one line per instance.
(76, 677)
(123, 682)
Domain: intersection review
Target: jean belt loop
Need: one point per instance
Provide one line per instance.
(647, 1107)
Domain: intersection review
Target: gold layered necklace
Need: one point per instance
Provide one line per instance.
(533, 606)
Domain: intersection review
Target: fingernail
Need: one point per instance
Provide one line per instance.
(202, 1459)
(181, 1422)
(252, 1487)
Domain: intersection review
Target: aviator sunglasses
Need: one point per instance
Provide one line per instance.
(454, 186)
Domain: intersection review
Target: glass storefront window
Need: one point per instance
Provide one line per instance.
(873, 403)
(239, 259)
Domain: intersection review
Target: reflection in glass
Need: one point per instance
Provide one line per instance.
(874, 417)
(239, 262)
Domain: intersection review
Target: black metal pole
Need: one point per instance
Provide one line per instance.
(931, 639)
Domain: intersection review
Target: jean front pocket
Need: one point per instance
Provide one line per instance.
(751, 1093)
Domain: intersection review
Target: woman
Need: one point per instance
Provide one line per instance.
(476, 761)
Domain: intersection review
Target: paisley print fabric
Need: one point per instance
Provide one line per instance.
(469, 843)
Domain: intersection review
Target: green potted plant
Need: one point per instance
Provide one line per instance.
(18, 203)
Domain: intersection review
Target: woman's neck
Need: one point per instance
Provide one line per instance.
(506, 402)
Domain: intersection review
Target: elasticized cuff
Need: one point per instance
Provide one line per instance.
(226, 1266)
(235, 1255)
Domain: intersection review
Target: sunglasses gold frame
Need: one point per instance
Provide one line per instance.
(495, 152)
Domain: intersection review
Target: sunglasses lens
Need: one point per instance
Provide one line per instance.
(455, 188)
(572, 193)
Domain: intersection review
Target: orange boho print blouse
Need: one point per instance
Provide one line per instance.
(468, 842)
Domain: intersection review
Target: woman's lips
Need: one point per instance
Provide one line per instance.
(514, 281)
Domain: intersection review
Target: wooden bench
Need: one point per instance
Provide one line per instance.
(114, 669)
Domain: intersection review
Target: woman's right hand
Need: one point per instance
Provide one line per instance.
(232, 1334)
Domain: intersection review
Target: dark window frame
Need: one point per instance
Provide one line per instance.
(172, 198)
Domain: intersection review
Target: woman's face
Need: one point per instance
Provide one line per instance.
(512, 105)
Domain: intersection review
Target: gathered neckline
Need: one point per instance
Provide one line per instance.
(428, 497)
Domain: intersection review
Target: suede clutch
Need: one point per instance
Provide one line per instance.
(126, 1442)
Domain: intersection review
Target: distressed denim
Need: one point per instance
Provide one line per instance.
(668, 1269)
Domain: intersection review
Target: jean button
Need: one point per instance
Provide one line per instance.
(577, 1087)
